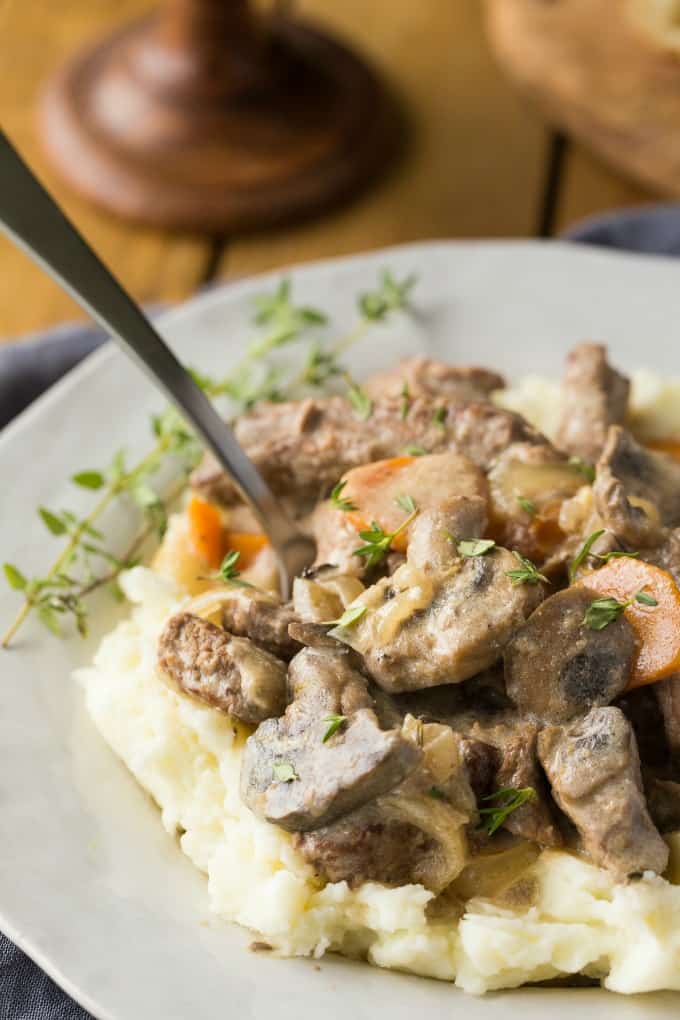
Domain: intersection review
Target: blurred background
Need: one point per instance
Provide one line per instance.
(514, 118)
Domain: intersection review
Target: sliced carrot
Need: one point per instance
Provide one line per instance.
(248, 544)
(669, 446)
(365, 488)
(657, 628)
(206, 530)
(381, 491)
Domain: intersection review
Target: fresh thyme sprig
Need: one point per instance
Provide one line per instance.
(509, 799)
(378, 541)
(586, 551)
(603, 611)
(526, 573)
(407, 504)
(229, 572)
(73, 575)
(85, 563)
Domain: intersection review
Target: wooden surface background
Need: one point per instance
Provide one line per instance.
(475, 166)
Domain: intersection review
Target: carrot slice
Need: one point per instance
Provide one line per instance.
(373, 481)
(381, 491)
(657, 628)
(206, 531)
(248, 544)
(669, 446)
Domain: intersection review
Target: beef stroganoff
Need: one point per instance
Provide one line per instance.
(456, 750)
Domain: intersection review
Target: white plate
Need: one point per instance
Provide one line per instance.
(90, 885)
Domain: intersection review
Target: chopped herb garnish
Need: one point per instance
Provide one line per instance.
(378, 541)
(361, 403)
(527, 505)
(334, 724)
(407, 504)
(583, 468)
(405, 404)
(439, 417)
(228, 571)
(526, 573)
(616, 554)
(389, 296)
(86, 563)
(415, 451)
(437, 793)
(603, 611)
(284, 772)
(509, 799)
(350, 616)
(339, 501)
(586, 551)
(475, 546)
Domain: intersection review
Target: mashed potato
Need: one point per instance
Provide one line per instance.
(188, 758)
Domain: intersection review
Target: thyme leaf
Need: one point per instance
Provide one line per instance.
(475, 546)
(339, 501)
(334, 724)
(378, 541)
(526, 573)
(507, 800)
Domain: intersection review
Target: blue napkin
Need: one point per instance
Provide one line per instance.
(29, 368)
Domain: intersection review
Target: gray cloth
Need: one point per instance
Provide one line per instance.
(28, 368)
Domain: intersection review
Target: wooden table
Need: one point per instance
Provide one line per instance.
(476, 166)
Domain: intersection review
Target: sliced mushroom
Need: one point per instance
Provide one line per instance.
(442, 617)
(556, 667)
(229, 673)
(293, 777)
(594, 396)
(594, 770)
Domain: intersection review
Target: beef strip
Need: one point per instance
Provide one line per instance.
(637, 491)
(557, 668)
(594, 396)
(423, 377)
(413, 834)
(228, 673)
(594, 770)
(440, 618)
(329, 779)
(516, 743)
(668, 696)
(253, 614)
(302, 448)
(642, 710)
(663, 802)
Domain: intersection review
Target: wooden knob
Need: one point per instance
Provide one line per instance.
(209, 116)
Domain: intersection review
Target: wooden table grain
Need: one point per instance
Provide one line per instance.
(474, 167)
